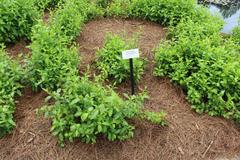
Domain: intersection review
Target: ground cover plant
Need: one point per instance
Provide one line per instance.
(16, 19)
(110, 63)
(11, 75)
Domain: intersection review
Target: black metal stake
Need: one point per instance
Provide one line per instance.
(132, 75)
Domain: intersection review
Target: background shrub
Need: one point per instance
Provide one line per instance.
(118, 8)
(236, 33)
(110, 62)
(70, 17)
(163, 11)
(44, 4)
(16, 19)
(11, 75)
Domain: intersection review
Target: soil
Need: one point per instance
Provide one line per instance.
(188, 136)
(18, 49)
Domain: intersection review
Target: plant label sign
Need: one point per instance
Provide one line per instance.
(128, 54)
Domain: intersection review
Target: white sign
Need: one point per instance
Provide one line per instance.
(133, 53)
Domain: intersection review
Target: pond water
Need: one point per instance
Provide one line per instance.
(230, 14)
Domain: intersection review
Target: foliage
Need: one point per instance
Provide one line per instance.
(205, 65)
(16, 19)
(102, 3)
(110, 62)
(70, 17)
(44, 4)
(119, 8)
(82, 109)
(51, 58)
(85, 109)
(236, 34)
(163, 11)
(11, 75)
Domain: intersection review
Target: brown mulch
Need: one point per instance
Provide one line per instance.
(188, 136)
(18, 48)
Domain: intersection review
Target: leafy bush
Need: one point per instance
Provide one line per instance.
(85, 109)
(119, 8)
(16, 19)
(205, 65)
(163, 11)
(51, 58)
(67, 21)
(110, 62)
(70, 17)
(103, 3)
(43, 4)
(10, 77)
(236, 33)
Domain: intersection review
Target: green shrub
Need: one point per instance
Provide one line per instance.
(16, 19)
(110, 62)
(10, 76)
(236, 34)
(51, 58)
(119, 8)
(67, 21)
(86, 109)
(163, 11)
(205, 65)
(44, 4)
(87, 9)
(103, 3)
(70, 17)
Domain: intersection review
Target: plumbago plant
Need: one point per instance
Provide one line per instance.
(10, 77)
(110, 62)
(86, 109)
(16, 19)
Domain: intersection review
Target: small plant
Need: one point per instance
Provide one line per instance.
(86, 109)
(110, 62)
(16, 19)
(11, 75)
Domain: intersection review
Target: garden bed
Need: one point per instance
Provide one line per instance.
(187, 136)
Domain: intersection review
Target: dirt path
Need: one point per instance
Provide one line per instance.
(188, 136)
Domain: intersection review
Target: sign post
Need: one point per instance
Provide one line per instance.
(131, 54)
